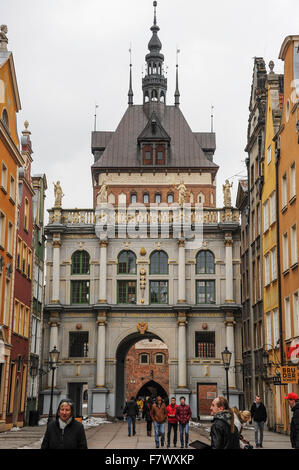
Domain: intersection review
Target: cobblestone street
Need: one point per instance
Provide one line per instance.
(114, 435)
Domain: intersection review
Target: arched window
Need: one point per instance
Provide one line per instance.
(158, 198)
(162, 97)
(144, 358)
(154, 95)
(4, 118)
(133, 198)
(80, 262)
(170, 198)
(159, 358)
(145, 198)
(159, 262)
(205, 262)
(126, 262)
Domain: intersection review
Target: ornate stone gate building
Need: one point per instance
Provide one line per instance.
(154, 259)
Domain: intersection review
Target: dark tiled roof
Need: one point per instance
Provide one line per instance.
(122, 150)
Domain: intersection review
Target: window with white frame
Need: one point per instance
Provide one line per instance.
(272, 208)
(10, 238)
(269, 328)
(4, 176)
(2, 229)
(266, 216)
(287, 316)
(285, 251)
(294, 251)
(293, 181)
(12, 188)
(296, 313)
(267, 269)
(269, 154)
(273, 264)
(284, 191)
(275, 327)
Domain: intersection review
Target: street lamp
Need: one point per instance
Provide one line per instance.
(54, 355)
(226, 357)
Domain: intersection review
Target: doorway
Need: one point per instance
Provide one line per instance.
(75, 393)
(152, 389)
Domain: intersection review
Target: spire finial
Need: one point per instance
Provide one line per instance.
(177, 93)
(130, 93)
(3, 37)
(155, 12)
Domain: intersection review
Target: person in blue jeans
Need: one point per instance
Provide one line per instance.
(159, 416)
(131, 410)
(183, 415)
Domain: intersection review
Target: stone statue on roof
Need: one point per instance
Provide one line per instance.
(3, 37)
(58, 194)
(227, 199)
(182, 192)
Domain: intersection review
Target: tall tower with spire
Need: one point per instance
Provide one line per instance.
(154, 84)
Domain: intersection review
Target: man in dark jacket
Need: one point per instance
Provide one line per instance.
(131, 410)
(293, 401)
(159, 415)
(224, 433)
(183, 415)
(259, 415)
(64, 432)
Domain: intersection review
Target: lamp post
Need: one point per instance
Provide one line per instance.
(54, 355)
(226, 357)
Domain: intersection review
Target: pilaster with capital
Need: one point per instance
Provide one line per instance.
(182, 272)
(101, 347)
(103, 272)
(230, 343)
(182, 351)
(53, 323)
(229, 291)
(56, 243)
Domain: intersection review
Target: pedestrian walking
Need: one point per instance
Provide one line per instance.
(146, 414)
(64, 432)
(240, 418)
(131, 410)
(140, 407)
(172, 421)
(159, 416)
(259, 415)
(183, 415)
(224, 433)
(293, 401)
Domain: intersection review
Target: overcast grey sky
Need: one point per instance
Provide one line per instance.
(71, 54)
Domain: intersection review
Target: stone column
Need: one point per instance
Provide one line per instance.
(103, 272)
(182, 273)
(229, 291)
(54, 324)
(230, 343)
(101, 321)
(56, 269)
(182, 353)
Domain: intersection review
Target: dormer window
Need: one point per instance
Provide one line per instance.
(160, 155)
(147, 155)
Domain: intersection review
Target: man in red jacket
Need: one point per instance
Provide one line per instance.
(183, 415)
(172, 422)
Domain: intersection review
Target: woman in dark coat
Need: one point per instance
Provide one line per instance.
(146, 413)
(64, 432)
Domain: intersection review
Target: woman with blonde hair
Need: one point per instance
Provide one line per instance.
(240, 418)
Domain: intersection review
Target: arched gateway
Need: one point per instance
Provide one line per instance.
(120, 370)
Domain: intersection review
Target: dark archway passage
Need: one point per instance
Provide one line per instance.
(152, 389)
(120, 379)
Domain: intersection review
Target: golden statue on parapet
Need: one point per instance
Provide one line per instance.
(227, 198)
(58, 194)
(183, 192)
(103, 193)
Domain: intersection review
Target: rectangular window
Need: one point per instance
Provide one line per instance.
(26, 215)
(10, 239)
(2, 229)
(80, 292)
(267, 270)
(158, 292)
(78, 344)
(29, 262)
(205, 344)
(33, 334)
(252, 225)
(284, 191)
(147, 155)
(294, 252)
(269, 328)
(26, 322)
(287, 316)
(12, 188)
(293, 181)
(269, 154)
(285, 248)
(6, 302)
(275, 327)
(266, 216)
(273, 264)
(296, 313)
(24, 259)
(205, 292)
(126, 292)
(4, 177)
(16, 317)
(272, 208)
